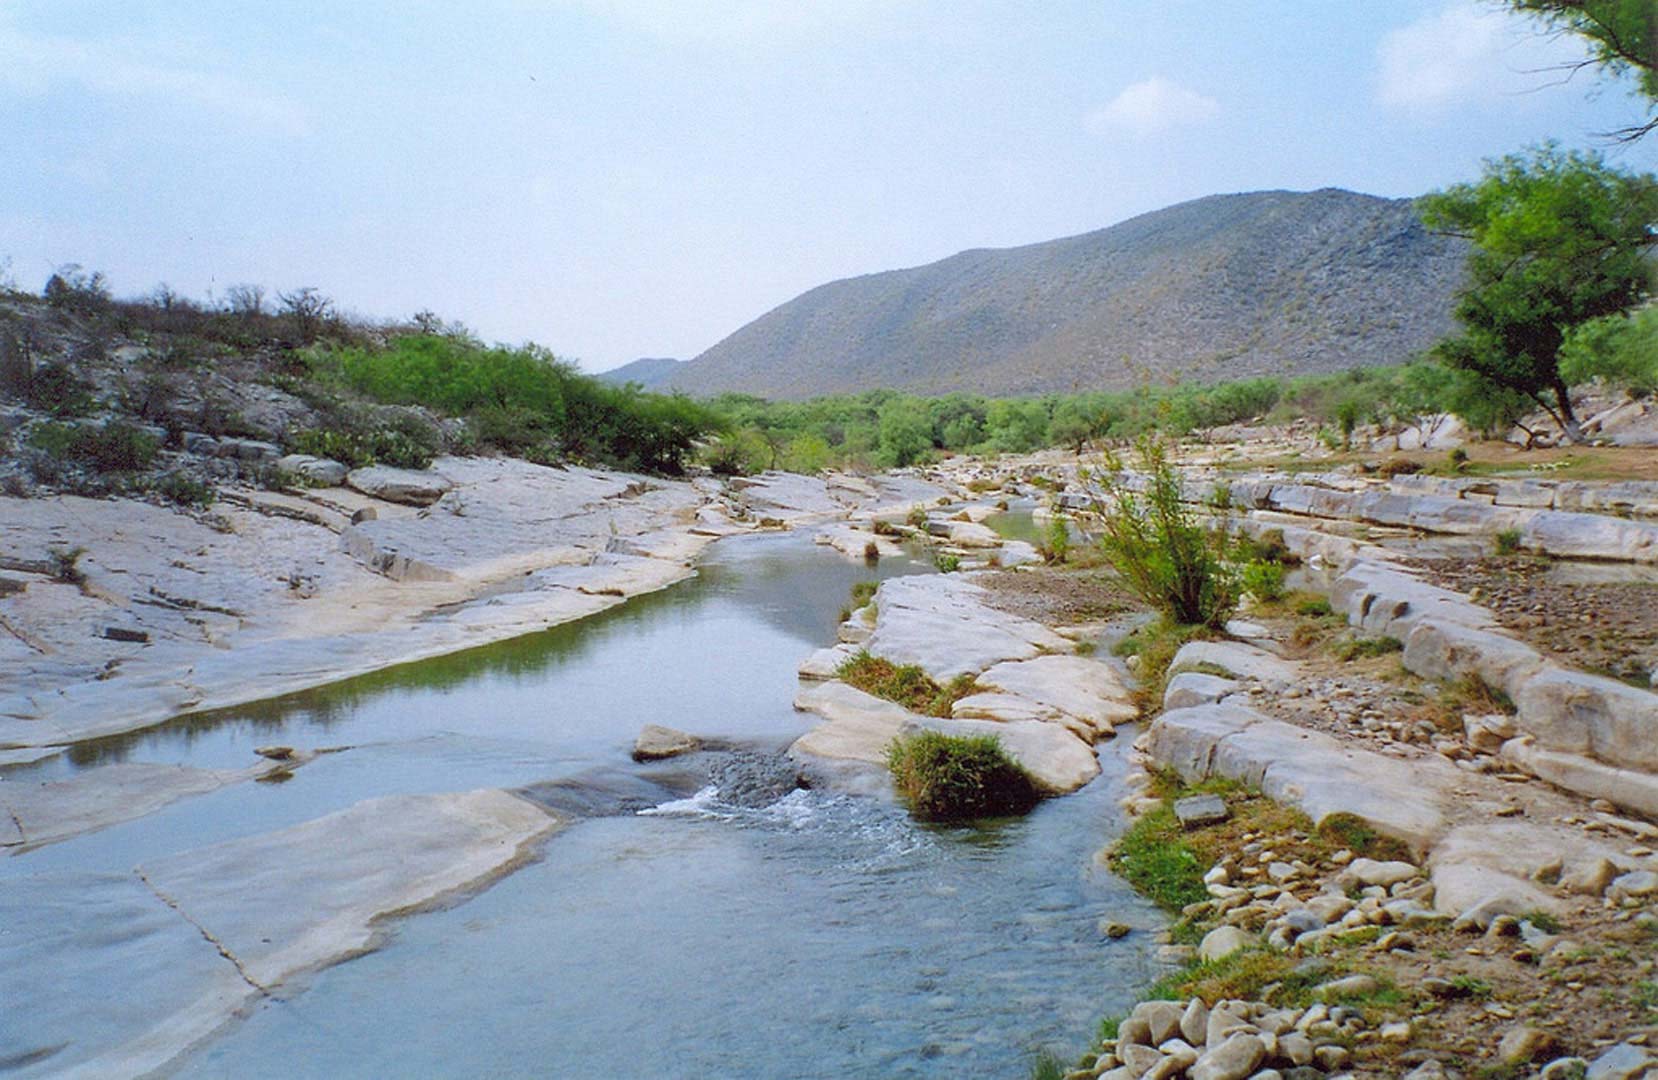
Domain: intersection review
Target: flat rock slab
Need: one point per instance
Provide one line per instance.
(289, 902)
(824, 663)
(1494, 865)
(1198, 810)
(1307, 769)
(859, 727)
(1071, 686)
(1195, 688)
(35, 814)
(855, 543)
(942, 623)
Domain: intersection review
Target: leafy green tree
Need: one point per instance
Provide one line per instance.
(1073, 424)
(906, 433)
(1559, 239)
(1017, 425)
(1622, 36)
(1619, 348)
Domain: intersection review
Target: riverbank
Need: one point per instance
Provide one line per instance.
(848, 915)
(119, 614)
(1394, 837)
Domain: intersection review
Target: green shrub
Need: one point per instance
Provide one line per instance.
(185, 490)
(947, 563)
(917, 517)
(958, 778)
(1164, 556)
(356, 450)
(115, 447)
(1263, 580)
(1268, 546)
(66, 565)
(53, 387)
(526, 400)
(1507, 542)
(740, 453)
(1058, 546)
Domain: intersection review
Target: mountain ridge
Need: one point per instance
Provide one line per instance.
(1226, 286)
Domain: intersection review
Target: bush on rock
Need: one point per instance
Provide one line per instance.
(958, 778)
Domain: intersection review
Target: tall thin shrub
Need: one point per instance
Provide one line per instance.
(1165, 554)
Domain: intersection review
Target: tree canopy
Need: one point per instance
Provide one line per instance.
(1622, 36)
(1559, 239)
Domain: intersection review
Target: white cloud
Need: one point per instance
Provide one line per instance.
(33, 64)
(1153, 105)
(1467, 53)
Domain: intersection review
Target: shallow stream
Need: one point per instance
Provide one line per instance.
(817, 935)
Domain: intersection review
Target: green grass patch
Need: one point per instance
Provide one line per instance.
(907, 684)
(1348, 649)
(958, 778)
(1155, 643)
(1347, 831)
(1154, 857)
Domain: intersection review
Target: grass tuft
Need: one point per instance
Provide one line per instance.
(958, 778)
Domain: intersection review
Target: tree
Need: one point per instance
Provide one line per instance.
(245, 299)
(1073, 424)
(906, 433)
(1622, 36)
(1558, 239)
(1619, 348)
(308, 308)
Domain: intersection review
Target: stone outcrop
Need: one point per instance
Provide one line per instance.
(1306, 769)
(1587, 733)
(34, 814)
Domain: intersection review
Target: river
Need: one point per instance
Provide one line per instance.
(815, 935)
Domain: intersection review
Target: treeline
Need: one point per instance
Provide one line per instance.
(883, 428)
(525, 402)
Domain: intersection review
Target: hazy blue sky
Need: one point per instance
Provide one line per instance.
(618, 179)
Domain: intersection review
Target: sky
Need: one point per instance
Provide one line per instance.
(625, 178)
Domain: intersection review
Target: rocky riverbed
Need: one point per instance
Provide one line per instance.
(1468, 806)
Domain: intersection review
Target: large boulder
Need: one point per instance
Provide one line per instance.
(1237, 660)
(405, 486)
(324, 471)
(656, 742)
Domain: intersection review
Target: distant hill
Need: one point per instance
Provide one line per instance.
(1226, 287)
(650, 372)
